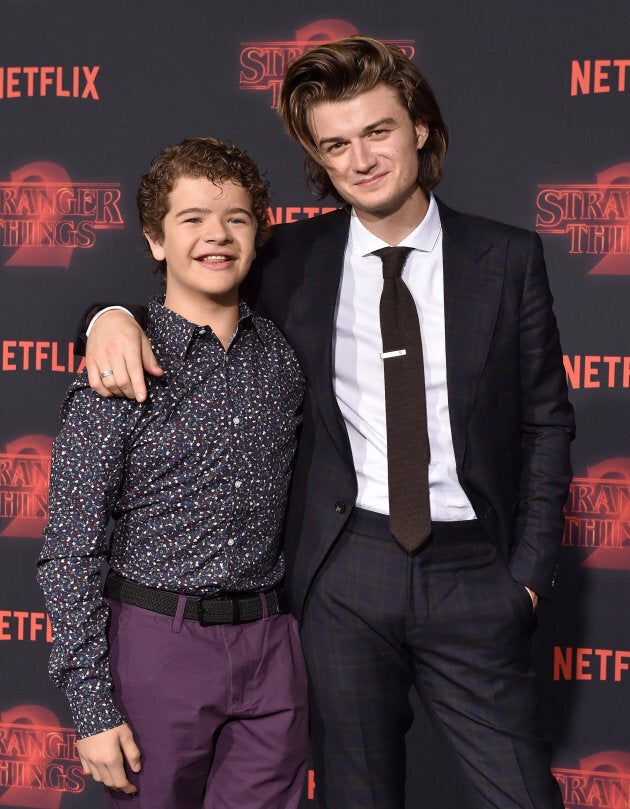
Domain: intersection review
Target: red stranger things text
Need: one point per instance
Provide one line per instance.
(595, 217)
(597, 515)
(44, 215)
(602, 781)
(24, 479)
(263, 64)
(38, 759)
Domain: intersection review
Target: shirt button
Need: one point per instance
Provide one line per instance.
(340, 507)
(236, 420)
(230, 542)
(238, 483)
(201, 331)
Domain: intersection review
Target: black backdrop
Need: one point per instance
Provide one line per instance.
(536, 96)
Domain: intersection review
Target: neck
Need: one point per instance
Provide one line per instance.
(393, 227)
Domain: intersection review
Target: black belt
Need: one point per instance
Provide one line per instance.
(207, 610)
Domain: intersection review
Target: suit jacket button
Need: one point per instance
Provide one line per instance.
(340, 507)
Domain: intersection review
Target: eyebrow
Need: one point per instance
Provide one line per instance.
(365, 131)
(187, 211)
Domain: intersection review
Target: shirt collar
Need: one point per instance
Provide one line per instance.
(423, 238)
(175, 334)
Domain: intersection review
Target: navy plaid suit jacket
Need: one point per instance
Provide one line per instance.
(510, 416)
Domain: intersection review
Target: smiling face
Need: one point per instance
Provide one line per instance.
(207, 242)
(369, 145)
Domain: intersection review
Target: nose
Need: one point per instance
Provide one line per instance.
(362, 157)
(216, 230)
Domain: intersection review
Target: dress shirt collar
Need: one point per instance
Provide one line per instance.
(423, 238)
(176, 334)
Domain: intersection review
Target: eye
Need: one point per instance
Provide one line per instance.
(238, 220)
(194, 220)
(335, 147)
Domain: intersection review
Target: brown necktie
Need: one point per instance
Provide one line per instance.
(405, 406)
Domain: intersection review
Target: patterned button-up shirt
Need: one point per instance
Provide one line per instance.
(195, 479)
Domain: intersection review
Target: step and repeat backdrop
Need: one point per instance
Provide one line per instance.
(537, 98)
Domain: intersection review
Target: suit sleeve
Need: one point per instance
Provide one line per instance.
(547, 428)
(80, 339)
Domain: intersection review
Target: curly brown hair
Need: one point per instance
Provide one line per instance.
(343, 69)
(220, 162)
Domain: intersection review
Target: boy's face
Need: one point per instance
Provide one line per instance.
(369, 148)
(208, 243)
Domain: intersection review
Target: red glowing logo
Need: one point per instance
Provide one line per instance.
(24, 479)
(45, 216)
(602, 780)
(38, 759)
(263, 64)
(595, 217)
(597, 517)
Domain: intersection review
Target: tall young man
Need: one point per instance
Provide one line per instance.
(396, 586)
(190, 671)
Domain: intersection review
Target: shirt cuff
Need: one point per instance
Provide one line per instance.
(102, 312)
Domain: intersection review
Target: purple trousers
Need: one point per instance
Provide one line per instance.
(219, 712)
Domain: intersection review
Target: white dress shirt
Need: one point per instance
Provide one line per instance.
(358, 369)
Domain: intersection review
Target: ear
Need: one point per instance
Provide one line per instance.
(422, 133)
(156, 248)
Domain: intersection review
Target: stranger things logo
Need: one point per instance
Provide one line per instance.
(597, 515)
(45, 216)
(38, 759)
(263, 64)
(24, 479)
(602, 781)
(595, 218)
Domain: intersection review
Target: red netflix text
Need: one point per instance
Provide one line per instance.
(597, 371)
(604, 665)
(22, 625)
(78, 81)
(599, 76)
(281, 215)
(40, 355)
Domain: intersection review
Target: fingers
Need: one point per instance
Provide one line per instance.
(130, 751)
(118, 344)
(533, 596)
(101, 756)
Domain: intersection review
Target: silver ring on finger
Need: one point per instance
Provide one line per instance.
(105, 374)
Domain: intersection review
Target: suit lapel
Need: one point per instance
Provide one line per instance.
(473, 281)
(312, 320)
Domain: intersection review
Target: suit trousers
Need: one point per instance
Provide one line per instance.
(450, 621)
(219, 712)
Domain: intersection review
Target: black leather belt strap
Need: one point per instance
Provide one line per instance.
(207, 610)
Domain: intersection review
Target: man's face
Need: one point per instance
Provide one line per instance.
(369, 148)
(208, 243)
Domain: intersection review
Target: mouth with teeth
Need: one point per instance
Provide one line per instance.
(216, 260)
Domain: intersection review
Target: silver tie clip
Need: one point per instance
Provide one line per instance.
(385, 355)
